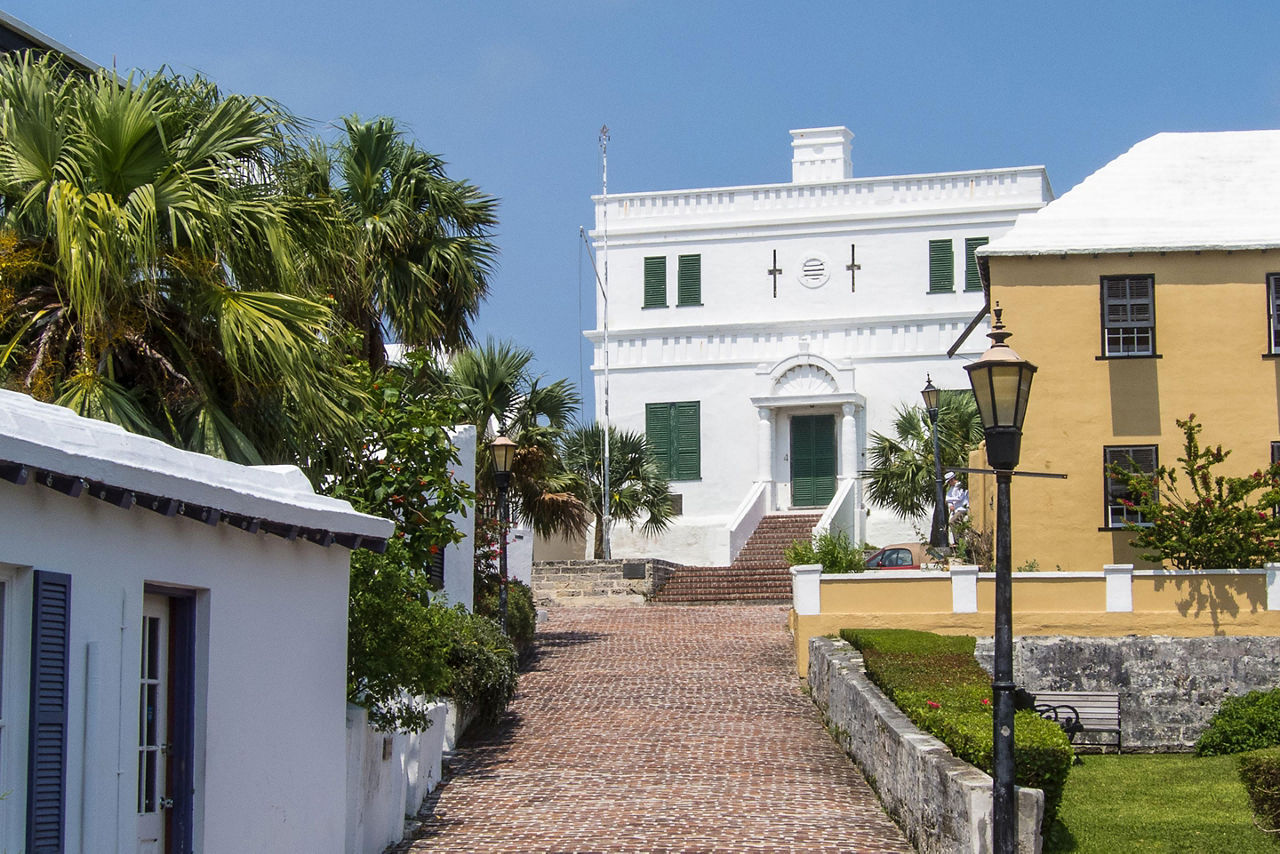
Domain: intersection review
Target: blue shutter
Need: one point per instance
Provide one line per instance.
(47, 737)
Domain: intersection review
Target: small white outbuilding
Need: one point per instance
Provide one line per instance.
(172, 645)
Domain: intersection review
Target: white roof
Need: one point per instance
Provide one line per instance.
(1173, 191)
(53, 438)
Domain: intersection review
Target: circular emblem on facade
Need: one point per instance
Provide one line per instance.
(815, 270)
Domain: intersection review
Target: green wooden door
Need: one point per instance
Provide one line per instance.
(813, 460)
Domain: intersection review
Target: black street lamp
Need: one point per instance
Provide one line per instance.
(504, 453)
(1001, 381)
(938, 535)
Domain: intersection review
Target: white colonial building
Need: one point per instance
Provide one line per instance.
(759, 335)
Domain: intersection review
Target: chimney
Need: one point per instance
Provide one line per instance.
(820, 154)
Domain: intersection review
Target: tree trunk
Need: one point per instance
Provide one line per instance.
(597, 550)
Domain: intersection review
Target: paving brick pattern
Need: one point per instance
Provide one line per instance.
(658, 728)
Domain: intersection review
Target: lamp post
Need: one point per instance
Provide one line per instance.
(504, 452)
(938, 535)
(1001, 381)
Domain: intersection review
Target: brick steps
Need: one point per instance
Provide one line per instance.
(759, 574)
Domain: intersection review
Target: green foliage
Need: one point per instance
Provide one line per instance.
(937, 682)
(159, 280)
(1219, 525)
(1250, 722)
(1260, 774)
(521, 614)
(902, 475)
(482, 664)
(406, 466)
(833, 550)
(1171, 803)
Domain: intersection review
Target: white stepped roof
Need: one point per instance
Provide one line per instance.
(1173, 191)
(52, 438)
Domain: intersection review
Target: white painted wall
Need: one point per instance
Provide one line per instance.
(271, 675)
(879, 340)
(460, 557)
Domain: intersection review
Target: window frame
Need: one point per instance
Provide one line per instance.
(936, 263)
(649, 296)
(1273, 314)
(1103, 283)
(1110, 494)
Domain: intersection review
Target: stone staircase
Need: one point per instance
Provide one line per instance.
(758, 575)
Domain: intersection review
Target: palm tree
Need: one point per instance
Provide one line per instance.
(416, 247)
(902, 474)
(498, 392)
(637, 488)
(159, 285)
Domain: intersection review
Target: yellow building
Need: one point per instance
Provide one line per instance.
(1149, 292)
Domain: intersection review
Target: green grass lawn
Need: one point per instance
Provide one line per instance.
(1179, 803)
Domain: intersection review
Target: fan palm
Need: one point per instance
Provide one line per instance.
(902, 474)
(160, 282)
(416, 251)
(637, 488)
(498, 392)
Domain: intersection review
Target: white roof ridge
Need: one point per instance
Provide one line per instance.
(51, 437)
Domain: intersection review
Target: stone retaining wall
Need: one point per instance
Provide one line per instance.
(1169, 687)
(596, 582)
(942, 803)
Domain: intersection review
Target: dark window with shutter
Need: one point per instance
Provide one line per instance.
(942, 267)
(972, 281)
(1273, 313)
(673, 433)
(1128, 316)
(1135, 458)
(655, 282)
(47, 736)
(689, 280)
(435, 569)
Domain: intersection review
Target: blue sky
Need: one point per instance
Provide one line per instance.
(701, 94)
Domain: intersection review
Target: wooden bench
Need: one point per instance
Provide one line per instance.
(1081, 711)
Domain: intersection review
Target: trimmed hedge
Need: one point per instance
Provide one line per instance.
(1260, 773)
(941, 687)
(1250, 722)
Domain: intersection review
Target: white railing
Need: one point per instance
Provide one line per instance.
(842, 512)
(1117, 578)
(749, 513)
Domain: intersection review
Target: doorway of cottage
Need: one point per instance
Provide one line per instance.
(813, 460)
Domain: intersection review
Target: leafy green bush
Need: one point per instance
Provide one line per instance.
(482, 664)
(521, 615)
(831, 549)
(937, 682)
(1260, 773)
(1251, 722)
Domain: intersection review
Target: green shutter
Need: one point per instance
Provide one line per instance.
(689, 280)
(655, 282)
(657, 429)
(673, 432)
(942, 270)
(687, 463)
(972, 281)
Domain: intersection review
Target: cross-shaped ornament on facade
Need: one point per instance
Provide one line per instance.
(775, 271)
(853, 267)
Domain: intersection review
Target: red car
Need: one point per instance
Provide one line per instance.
(899, 556)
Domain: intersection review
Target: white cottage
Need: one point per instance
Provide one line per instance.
(759, 334)
(173, 645)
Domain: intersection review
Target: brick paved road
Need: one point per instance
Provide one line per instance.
(658, 728)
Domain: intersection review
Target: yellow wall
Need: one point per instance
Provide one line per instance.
(1211, 334)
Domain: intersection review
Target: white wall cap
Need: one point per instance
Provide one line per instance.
(45, 436)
